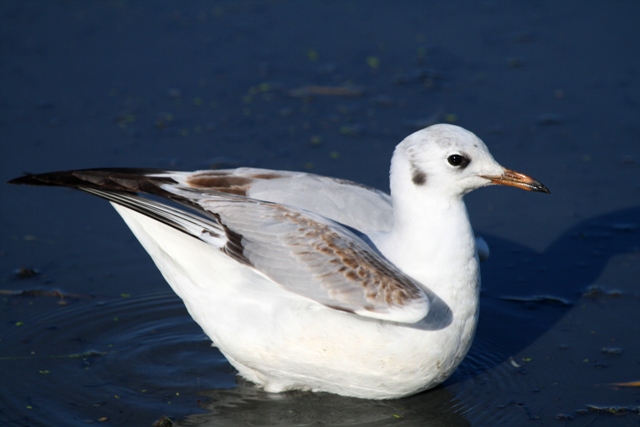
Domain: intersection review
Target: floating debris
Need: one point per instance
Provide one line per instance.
(594, 291)
(26, 273)
(513, 362)
(312, 55)
(316, 141)
(125, 118)
(522, 406)
(612, 351)
(627, 384)
(373, 62)
(86, 355)
(549, 119)
(326, 91)
(450, 118)
(614, 410)
(164, 120)
(564, 417)
(547, 299)
(352, 130)
(41, 293)
(163, 421)
(428, 76)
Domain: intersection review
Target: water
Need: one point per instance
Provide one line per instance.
(551, 88)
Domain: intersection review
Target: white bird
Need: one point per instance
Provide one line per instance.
(312, 283)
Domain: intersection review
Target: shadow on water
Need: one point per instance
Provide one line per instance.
(550, 304)
(520, 303)
(527, 292)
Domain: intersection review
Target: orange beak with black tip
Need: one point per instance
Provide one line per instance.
(518, 180)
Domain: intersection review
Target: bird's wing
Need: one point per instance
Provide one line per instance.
(300, 251)
(355, 205)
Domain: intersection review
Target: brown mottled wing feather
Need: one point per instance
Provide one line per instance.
(318, 259)
(355, 205)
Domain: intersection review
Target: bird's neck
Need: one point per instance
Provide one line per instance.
(432, 241)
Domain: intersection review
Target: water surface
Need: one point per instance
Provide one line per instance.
(552, 88)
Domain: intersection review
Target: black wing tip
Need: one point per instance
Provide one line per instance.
(52, 178)
(22, 180)
(80, 177)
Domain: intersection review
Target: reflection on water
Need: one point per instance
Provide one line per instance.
(248, 406)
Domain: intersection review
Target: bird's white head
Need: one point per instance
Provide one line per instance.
(450, 161)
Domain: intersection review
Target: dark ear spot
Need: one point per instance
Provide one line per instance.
(417, 176)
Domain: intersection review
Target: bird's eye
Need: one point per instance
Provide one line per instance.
(458, 160)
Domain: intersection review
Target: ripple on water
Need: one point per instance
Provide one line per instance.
(123, 359)
(488, 382)
(130, 360)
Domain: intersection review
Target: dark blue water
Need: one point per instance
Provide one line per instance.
(552, 89)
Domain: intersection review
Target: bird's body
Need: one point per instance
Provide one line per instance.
(312, 283)
(282, 341)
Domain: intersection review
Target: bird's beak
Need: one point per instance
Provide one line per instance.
(517, 179)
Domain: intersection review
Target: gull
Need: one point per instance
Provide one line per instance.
(306, 282)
